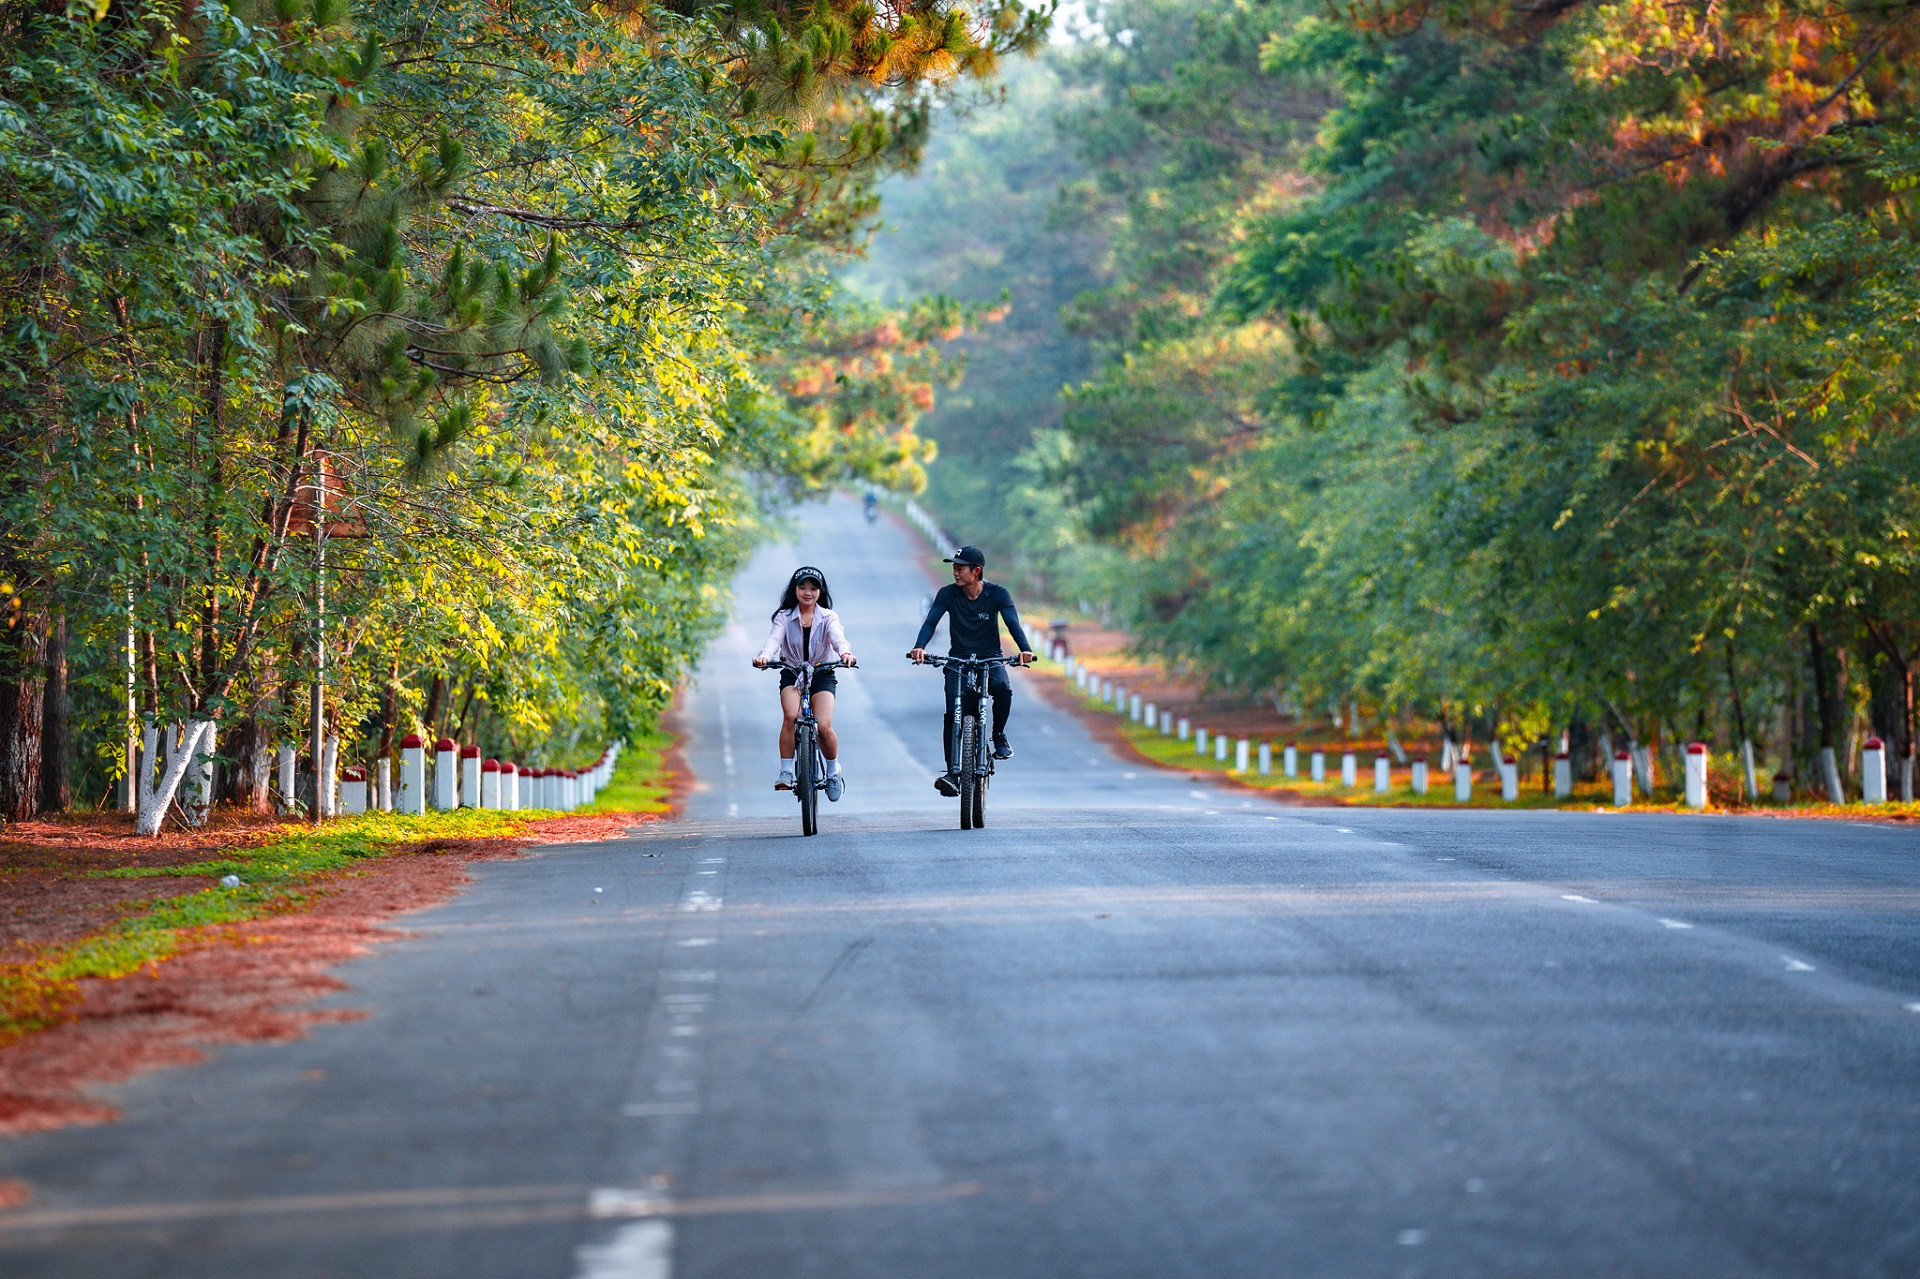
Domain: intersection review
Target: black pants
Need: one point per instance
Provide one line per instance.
(999, 688)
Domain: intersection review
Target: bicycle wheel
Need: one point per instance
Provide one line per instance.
(980, 800)
(804, 774)
(969, 762)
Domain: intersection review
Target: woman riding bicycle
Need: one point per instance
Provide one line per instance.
(806, 629)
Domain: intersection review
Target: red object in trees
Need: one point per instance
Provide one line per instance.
(1696, 748)
(469, 752)
(412, 741)
(490, 766)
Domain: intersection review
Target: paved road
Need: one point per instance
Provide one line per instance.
(1137, 1027)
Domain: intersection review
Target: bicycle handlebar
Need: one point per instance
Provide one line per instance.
(811, 666)
(933, 659)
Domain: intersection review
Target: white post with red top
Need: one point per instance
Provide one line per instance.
(1290, 760)
(1509, 778)
(490, 783)
(509, 785)
(470, 777)
(413, 775)
(1462, 780)
(1873, 772)
(1696, 775)
(1349, 769)
(1562, 775)
(446, 776)
(353, 790)
(1622, 778)
(1382, 774)
(1419, 776)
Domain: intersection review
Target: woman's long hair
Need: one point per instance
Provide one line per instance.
(791, 598)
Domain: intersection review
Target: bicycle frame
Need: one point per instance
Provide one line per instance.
(974, 766)
(809, 767)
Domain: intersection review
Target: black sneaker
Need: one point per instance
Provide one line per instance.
(1002, 748)
(946, 785)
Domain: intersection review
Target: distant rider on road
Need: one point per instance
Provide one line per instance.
(973, 608)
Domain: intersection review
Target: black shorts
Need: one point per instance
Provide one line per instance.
(825, 679)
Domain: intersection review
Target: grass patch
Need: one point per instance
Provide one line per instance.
(641, 782)
(41, 990)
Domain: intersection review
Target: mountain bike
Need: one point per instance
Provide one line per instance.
(972, 760)
(809, 766)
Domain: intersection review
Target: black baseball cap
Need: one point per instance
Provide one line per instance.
(970, 555)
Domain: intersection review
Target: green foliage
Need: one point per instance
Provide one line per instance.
(495, 302)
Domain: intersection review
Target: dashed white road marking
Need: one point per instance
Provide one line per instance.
(733, 810)
(1196, 794)
(1796, 965)
(695, 941)
(1913, 1008)
(1344, 830)
(726, 738)
(641, 1250)
(1576, 897)
(1675, 923)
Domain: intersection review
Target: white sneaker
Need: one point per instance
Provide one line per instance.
(836, 786)
(784, 781)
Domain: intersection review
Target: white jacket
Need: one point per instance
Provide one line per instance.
(829, 641)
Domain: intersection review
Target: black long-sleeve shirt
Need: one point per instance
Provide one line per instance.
(973, 625)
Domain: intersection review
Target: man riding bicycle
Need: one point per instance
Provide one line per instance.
(973, 608)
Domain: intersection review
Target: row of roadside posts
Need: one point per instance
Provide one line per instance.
(457, 777)
(1248, 756)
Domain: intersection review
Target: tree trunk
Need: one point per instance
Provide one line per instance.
(436, 701)
(23, 654)
(1826, 704)
(56, 777)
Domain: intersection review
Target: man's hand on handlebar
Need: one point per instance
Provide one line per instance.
(1026, 659)
(917, 655)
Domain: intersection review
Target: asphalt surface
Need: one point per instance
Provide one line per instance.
(1138, 1026)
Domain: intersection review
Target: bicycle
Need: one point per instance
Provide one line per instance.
(809, 766)
(973, 762)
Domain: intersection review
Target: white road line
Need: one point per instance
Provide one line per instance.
(695, 941)
(642, 1250)
(1675, 923)
(726, 737)
(1576, 897)
(733, 810)
(1344, 830)
(1913, 1008)
(1796, 965)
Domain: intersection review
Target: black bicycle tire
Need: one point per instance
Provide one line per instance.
(980, 802)
(803, 782)
(969, 748)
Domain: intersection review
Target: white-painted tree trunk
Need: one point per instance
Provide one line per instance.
(1749, 777)
(1906, 778)
(196, 790)
(156, 799)
(329, 778)
(383, 786)
(1830, 773)
(1642, 758)
(1399, 751)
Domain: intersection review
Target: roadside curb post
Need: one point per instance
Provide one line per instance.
(1186, 728)
(509, 785)
(1220, 747)
(1134, 708)
(490, 783)
(1622, 779)
(413, 775)
(1509, 779)
(446, 777)
(1697, 775)
(1382, 774)
(1419, 776)
(1200, 741)
(1166, 723)
(470, 770)
(353, 790)
(1349, 769)
(1873, 772)
(1241, 752)
(1266, 759)
(1562, 775)
(1317, 766)
(1290, 760)
(383, 787)
(1462, 780)
(1150, 715)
